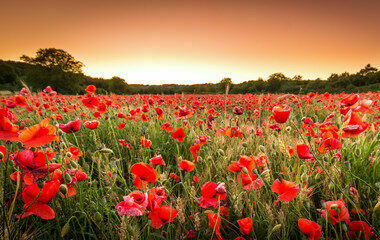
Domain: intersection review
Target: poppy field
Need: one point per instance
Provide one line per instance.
(269, 166)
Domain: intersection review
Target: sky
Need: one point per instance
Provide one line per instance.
(191, 41)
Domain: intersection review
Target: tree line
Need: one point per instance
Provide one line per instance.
(58, 69)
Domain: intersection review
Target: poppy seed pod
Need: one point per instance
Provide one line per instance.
(65, 229)
(98, 217)
(221, 152)
(40, 183)
(63, 189)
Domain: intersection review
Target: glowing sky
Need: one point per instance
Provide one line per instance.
(183, 41)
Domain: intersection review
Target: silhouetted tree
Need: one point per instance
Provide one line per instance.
(55, 58)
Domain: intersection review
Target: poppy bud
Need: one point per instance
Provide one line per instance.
(331, 186)
(199, 159)
(74, 164)
(244, 144)
(106, 150)
(59, 132)
(244, 170)
(317, 176)
(11, 163)
(376, 209)
(68, 178)
(288, 128)
(63, 189)
(221, 152)
(65, 229)
(344, 227)
(98, 217)
(69, 154)
(40, 183)
(209, 158)
(304, 177)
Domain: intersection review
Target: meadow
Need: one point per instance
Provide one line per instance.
(268, 166)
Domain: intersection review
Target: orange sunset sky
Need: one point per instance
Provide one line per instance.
(156, 42)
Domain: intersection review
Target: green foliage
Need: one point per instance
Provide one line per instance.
(38, 76)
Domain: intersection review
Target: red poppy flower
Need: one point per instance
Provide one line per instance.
(214, 221)
(39, 207)
(156, 196)
(353, 125)
(329, 144)
(145, 142)
(178, 134)
(160, 113)
(8, 131)
(303, 151)
(335, 211)
(71, 127)
(186, 165)
(281, 114)
(20, 101)
(211, 194)
(4, 153)
(245, 225)
(39, 134)
(90, 102)
(91, 124)
(194, 149)
(134, 204)
(166, 126)
(144, 173)
(75, 152)
(90, 89)
(287, 190)
(174, 176)
(157, 160)
(310, 229)
(360, 230)
(161, 215)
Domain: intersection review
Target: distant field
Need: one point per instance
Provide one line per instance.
(270, 166)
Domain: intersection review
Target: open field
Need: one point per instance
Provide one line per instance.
(189, 166)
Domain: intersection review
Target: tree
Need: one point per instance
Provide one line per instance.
(367, 69)
(224, 83)
(297, 78)
(55, 58)
(274, 81)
